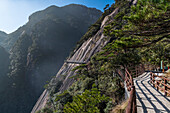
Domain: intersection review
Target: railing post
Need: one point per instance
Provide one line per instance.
(126, 77)
(165, 87)
(139, 68)
(136, 71)
(157, 84)
(151, 77)
(131, 81)
(153, 80)
(134, 101)
(148, 66)
(143, 68)
(130, 103)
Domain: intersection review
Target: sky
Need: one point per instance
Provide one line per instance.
(15, 13)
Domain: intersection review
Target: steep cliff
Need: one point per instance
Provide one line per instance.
(4, 79)
(88, 80)
(3, 36)
(90, 44)
(39, 48)
(4, 61)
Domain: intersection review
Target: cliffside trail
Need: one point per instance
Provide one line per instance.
(83, 54)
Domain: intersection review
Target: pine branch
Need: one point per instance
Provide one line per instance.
(154, 41)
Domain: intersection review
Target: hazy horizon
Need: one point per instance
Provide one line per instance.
(15, 13)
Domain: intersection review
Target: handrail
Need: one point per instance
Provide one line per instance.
(120, 74)
(131, 108)
(139, 69)
(150, 67)
(163, 81)
(128, 78)
(136, 70)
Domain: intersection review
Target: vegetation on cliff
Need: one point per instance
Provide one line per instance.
(147, 25)
(140, 34)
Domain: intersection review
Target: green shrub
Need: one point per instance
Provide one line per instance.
(91, 101)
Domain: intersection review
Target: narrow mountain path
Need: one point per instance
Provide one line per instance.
(75, 62)
(149, 100)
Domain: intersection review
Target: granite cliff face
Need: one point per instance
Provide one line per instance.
(91, 43)
(3, 36)
(47, 40)
(39, 48)
(4, 61)
(82, 54)
(4, 79)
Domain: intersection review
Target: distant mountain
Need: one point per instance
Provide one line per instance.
(4, 80)
(77, 16)
(3, 36)
(39, 48)
(4, 61)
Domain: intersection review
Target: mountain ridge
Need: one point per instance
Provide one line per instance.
(37, 17)
(38, 48)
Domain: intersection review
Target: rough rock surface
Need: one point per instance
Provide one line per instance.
(83, 54)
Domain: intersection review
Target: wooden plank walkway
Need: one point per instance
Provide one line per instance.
(149, 100)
